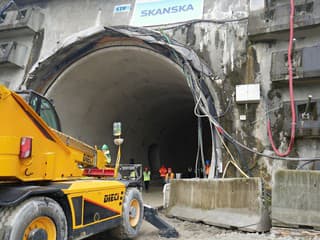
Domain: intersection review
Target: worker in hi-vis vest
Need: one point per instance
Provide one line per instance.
(207, 167)
(133, 174)
(169, 176)
(146, 178)
(106, 152)
(163, 172)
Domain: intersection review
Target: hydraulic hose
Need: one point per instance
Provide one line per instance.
(293, 110)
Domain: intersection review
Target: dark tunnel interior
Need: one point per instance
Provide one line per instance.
(143, 90)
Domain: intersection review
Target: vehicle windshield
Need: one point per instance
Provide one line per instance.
(43, 107)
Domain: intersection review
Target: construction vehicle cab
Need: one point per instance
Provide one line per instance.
(43, 107)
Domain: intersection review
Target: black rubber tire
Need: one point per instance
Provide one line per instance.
(14, 220)
(125, 230)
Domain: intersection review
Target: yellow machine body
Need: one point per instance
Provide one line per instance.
(51, 159)
(59, 177)
(94, 201)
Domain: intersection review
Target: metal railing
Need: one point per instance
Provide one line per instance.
(4, 6)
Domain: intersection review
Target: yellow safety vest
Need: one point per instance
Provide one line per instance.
(133, 174)
(146, 176)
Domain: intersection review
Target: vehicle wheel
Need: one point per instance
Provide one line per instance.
(38, 218)
(132, 215)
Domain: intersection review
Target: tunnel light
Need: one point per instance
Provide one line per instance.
(25, 147)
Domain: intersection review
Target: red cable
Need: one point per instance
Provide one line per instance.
(293, 110)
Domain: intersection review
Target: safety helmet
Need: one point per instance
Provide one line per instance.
(105, 147)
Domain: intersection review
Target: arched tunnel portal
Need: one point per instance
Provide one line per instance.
(138, 86)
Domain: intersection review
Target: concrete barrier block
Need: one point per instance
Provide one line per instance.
(166, 195)
(229, 203)
(295, 199)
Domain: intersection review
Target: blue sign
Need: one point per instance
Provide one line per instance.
(122, 8)
(159, 12)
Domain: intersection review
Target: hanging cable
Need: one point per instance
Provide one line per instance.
(200, 101)
(233, 161)
(191, 22)
(203, 106)
(230, 103)
(191, 83)
(224, 133)
(304, 164)
(293, 110)
(243, 162)
(214, 155)
(203, 167)
(197, 161)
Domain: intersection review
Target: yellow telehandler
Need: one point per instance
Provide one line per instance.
(55, 187)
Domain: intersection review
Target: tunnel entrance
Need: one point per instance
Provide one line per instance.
(97, 82)
(144, 90)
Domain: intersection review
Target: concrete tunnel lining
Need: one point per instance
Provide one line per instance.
(144, 90)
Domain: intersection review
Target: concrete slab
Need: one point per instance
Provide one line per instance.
(295, 199)
(229, 203)
(28, 21)
(12, 54)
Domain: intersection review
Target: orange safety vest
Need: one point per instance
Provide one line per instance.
(163, 171)
(207, 169)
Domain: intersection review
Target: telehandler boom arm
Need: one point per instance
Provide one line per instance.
(32, 151)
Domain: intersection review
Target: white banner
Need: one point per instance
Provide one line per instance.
(159, 12)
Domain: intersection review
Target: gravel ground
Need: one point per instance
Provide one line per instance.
(192, 231)
(189, 230)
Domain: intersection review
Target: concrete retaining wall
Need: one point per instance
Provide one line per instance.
(230, 203)
(295, 199)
